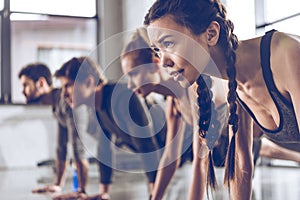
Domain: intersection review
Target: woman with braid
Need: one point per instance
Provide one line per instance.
(145, 78)
(194, 37)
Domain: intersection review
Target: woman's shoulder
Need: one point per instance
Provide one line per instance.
(285, 51)
(286, 48)
(290, 43)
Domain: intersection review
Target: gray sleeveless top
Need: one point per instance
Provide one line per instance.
(287, 134)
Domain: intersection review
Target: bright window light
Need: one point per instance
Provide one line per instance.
(1, 4)
(277, 9)
(27, 17)
(288, 26)
(82, 8)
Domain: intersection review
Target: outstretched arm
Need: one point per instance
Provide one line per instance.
(241, 185)
(199, 178)
(171, 157)
(78, 129)
(60, 163)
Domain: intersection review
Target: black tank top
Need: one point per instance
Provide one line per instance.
(287, 134)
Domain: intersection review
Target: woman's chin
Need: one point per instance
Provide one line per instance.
(184, 83)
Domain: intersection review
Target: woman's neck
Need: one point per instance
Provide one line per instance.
(248, 60)
(169, 87)
(217, 65)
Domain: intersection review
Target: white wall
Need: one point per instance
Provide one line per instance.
(28, 36)
(242, 14)
(28, 135)
(111, 23)
(134, 12)
(116, 18)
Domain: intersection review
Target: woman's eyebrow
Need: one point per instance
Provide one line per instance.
(160, 40)
(163, 38)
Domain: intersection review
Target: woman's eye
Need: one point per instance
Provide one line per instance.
(168, 44)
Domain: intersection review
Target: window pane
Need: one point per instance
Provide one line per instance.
(278, 9)
(85, 8)
(52, 40)
(1, 57)
(288, 26)
(1, 4)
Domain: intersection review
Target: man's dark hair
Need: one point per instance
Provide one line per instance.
(79, 68)
(34, 71)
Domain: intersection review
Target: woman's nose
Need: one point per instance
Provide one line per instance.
(130, 84)
(165, 61)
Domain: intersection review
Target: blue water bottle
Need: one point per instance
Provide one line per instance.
(75, 180)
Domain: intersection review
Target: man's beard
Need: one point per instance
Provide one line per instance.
(36, 100)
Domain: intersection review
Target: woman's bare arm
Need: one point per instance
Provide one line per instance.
(241, 186)
(171, 156)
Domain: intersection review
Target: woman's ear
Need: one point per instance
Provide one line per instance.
(89, 82)
(213, 33)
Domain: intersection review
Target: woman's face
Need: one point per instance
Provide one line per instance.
(142, 78)
(181, 52)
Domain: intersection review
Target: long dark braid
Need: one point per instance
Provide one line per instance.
(207, 122)
(197, 15)
(229, 43)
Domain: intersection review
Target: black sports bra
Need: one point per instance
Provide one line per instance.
(287, 132)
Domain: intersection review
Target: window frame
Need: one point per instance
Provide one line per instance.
(260, 17)
(5, 55)
(5, 50)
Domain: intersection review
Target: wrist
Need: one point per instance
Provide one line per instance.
(81, 190)
(58, 185)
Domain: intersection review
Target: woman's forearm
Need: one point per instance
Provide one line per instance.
(164, 175)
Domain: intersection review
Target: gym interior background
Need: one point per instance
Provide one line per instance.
(52, 31)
